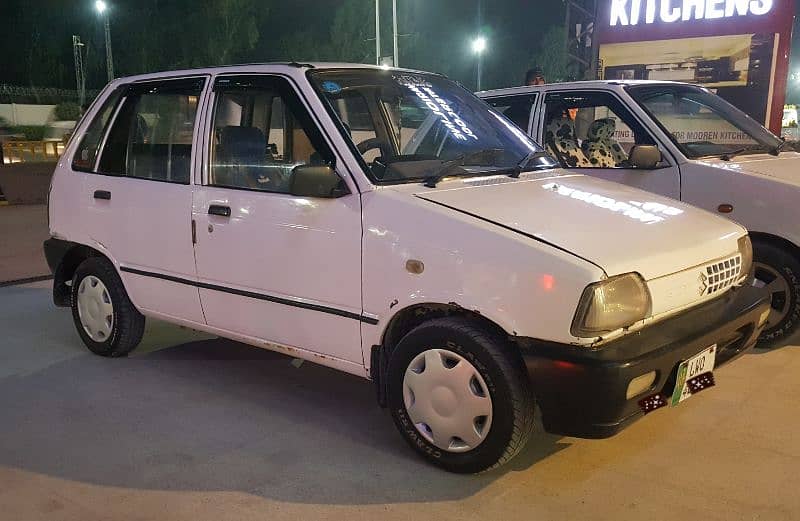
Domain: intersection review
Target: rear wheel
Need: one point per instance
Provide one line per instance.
(104, 316)
(459, 396)
(779, 272)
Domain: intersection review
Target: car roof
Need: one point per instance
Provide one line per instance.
(265, 67)
(569, 84)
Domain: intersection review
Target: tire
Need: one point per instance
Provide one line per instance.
(779, 271)
(113, 327)
(497, 374)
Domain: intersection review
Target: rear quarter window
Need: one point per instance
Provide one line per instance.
(86, 153)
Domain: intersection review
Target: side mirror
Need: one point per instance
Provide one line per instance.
(645, 157)
(316, 181)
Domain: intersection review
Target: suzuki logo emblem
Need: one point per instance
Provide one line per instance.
(703, 279)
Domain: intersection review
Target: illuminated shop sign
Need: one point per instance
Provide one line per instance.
(457, 126)
(635, 12)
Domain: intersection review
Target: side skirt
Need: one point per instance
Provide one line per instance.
(295, 352)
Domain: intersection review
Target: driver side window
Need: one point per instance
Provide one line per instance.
(260, 137)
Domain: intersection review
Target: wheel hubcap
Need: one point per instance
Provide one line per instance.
(447, 400)
(769, 278)
(95, 309)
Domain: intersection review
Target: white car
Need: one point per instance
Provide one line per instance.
(684, 142)
(282, 206)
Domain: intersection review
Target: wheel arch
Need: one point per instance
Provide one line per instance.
(64, 270)
(776, 240)
(408, 318)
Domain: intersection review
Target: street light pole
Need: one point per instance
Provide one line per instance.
(480, 70)
(479, 44)
(377, 32)
(394, 33)
(101, 7)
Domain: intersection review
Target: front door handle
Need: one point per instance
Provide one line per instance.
(102, 194)
(217, 209)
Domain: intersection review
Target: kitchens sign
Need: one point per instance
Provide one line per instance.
(636, 12)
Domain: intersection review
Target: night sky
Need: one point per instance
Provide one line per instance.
(148, 35)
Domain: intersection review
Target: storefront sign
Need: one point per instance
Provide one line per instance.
(737, 48)
(635, 12)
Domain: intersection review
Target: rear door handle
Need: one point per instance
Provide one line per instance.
(222, 211)
(102, 194)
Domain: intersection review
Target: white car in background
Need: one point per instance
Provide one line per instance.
(389, 224)
(687, 143)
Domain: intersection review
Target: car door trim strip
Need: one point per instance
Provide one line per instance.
(364, 317)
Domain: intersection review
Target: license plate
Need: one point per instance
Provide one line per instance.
(690, 370)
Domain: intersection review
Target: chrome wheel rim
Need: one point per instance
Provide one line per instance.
(447, 400)
(779, 289)
(95, 310)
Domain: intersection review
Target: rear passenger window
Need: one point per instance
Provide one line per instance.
(151, 136)
(515, 108)
(86, 154)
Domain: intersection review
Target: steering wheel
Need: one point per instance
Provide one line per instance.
(372, 143)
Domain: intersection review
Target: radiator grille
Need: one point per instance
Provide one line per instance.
(721, 275)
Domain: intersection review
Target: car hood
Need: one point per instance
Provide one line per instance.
(785, 167)
(618, 228)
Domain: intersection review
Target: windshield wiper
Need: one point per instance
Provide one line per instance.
(523, 165)
(727, 156)
(457, 164)
(777, 149)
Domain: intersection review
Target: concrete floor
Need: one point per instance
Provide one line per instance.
(23, 229)
(195, 428)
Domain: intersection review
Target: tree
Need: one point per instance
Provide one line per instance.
(229, 29)
(552, 55)
(352, 28)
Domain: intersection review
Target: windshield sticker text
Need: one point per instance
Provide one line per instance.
(457, 126)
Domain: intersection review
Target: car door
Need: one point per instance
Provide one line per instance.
(591, 131)
(273, 266)
(138, 194)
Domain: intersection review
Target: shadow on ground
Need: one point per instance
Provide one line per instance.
(209, 415)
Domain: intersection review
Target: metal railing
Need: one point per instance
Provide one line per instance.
(46, 95)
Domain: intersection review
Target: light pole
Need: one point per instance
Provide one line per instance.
(377, 32)
(394, 34)
(478, 47)
(101, 8)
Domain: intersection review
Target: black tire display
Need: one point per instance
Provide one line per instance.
(779, 271)
(498, 372)
(111, 325)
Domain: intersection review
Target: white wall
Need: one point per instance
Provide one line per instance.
(24, 114)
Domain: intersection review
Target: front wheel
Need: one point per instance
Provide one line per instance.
(779, 272)
(459, 396)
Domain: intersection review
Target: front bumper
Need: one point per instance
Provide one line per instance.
(581, 392)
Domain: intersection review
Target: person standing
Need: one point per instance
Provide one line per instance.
(534, 76)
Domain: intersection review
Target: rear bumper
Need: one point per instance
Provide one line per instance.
(582, 392)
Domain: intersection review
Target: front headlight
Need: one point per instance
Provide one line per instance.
(611, 304)
(746, 251)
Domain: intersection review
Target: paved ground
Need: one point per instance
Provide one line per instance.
(198, 429)
(23, 228)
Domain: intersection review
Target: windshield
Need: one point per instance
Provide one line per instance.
(701, 123)
(412, 126)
